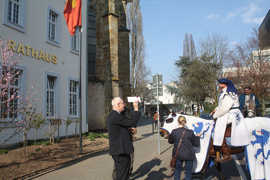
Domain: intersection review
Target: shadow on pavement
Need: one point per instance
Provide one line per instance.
(145, 168)
(166, 149)
(147, 135)
(157, 175)
(41, 172)
(228, 170)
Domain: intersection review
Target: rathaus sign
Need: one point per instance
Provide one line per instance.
(27, 50)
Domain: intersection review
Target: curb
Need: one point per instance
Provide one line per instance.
(44, 171)
(47, 170)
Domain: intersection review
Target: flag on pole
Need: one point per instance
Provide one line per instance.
(73, 15)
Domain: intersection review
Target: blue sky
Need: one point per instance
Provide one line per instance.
(165, 23)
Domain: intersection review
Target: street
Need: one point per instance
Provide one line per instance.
(148, 165)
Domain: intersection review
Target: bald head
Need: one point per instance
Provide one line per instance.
(118, 104)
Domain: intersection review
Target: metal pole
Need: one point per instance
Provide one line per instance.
(158, 134)
(80, 89)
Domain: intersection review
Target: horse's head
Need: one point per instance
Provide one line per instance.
(170, 124)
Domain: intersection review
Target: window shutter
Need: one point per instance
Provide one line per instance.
(22, 12)
(68, 92)
(58, 27)
(47, 29)
(5, 9)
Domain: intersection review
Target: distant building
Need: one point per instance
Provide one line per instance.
(264, 44)
(264, 32)
(167, 97)
(258, 56)
(261, 55)
(166, 101)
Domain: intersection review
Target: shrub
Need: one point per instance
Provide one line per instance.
(3, 151)
(93, 135)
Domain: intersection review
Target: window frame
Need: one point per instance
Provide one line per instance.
(76, 37)
(21, 92)
(20, 26)
(57, 40)
(77, 98)
(50, 97)
(56, 95)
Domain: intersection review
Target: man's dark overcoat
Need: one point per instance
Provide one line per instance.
(120, 139)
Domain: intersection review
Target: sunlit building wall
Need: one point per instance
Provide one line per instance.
(48, 58)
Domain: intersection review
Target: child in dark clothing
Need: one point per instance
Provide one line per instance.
(186, 153)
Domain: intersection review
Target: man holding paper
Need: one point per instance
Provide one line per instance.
(120, 139)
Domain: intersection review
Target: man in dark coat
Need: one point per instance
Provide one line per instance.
(249, 103)
(120, 138)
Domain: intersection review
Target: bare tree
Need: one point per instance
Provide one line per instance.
(139, 71)
(198, 75)
(251, 67)
(215, 45)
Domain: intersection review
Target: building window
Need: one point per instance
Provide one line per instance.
(91, 44)
(73, 103)
(10, 95)
(14, 14)
(53, 26)
(50, 97)
(75, 42)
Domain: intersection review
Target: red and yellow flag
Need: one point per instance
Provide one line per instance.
(73, 15)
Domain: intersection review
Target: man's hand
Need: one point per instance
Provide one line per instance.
(136, 106)
(133, 131)
(213, 112)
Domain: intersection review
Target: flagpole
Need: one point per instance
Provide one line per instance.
(71, 13)
(80, 89)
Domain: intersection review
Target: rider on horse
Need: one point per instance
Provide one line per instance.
(227, 112)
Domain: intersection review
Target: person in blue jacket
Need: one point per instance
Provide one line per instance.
(249, 103)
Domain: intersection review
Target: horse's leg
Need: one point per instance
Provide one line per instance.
(225, 152)
(219, 169)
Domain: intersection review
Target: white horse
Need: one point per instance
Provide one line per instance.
(258, 150)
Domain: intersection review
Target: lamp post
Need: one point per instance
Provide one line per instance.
(80, 89)
(157, 91)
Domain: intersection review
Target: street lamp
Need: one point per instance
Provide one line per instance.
(157, 90)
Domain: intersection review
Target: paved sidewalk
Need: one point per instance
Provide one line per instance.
(148, 165)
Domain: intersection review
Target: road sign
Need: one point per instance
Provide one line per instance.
(157, 85)
(160, 91)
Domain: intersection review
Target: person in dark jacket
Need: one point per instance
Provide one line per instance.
(120, 138)
(249, 103)
(186, 153)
